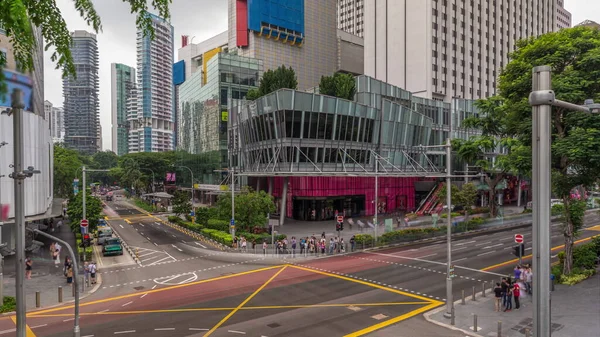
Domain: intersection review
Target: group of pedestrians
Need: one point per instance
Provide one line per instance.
(513, 289)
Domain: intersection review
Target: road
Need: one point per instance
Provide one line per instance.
(205, 292)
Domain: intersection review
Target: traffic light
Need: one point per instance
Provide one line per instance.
(86, 240)
(338, 226)
(519, 250)
(341, 226)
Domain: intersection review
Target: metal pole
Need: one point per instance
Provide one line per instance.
(76, 329)
(232, 200)
(376, 193)
(520, 254)
(19, 177)
(541, 206)
(449, 301)
(84, 214)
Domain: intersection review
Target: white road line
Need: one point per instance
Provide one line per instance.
(88, 336)
(199, 244)
(164, 329)
(148, 238)
(179, 249)
(148, 254)
(189, 280)
(144, 295)
(154, 287)
(141, 225)
(464, 243)
(38, 326)
(172, 278)
(126, 304)
(121, 226)
(422, 257)
(488, 247)
(454, 261)
(505, 248)
(105, 310)
(530, 248)
(156, 244)
(486, 253)
(238, 332)
(150, 258)
(459, 248)
(68, 319)
(481, 244)
(174, 235)
(194, 329)
(170, 255)
(122, 332)
(7, 331)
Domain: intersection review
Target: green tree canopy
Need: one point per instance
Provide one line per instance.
(574, 56)
(251, 208)
(19, 17)
(93, 209)
(339, 85)
(181, 203)
(272, 80)
(67, 163)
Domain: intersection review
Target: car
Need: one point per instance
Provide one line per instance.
(109, 196)
(103, 235)
(112, 246)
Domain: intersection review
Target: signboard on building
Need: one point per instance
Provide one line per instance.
(224, 116)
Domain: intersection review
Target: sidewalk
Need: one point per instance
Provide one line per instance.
(46, 277)
(575, 312)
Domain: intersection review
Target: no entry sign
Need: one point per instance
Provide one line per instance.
(519, 238)
(83, 223)
(340, 218)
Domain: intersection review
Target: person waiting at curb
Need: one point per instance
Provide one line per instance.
(498, 293)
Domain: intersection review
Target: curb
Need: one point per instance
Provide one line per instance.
(428, 315)
(193, 234)
(81, 297)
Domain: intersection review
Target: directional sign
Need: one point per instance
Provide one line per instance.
(84, 223)
(232, 223)
(340, 218)
(519, 238)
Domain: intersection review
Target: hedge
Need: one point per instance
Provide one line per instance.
(219, 236)
(260, 238)
(220, 225)
(9, 304)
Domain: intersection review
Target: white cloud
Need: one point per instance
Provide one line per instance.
(117, 44)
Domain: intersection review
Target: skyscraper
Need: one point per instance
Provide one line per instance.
(81, 111)
(57, 125)
(153, 125)
(351, 16)
(444, 49)
(563, 16)
(122, 84)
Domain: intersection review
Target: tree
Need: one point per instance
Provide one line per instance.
(273, 80)
(202, 215)
(251, 208)
(574, 56)
(339, 85)
(67, 162)
(19, 17)
(252, 94)
(103, 160)
(93, 209)
(181, 203)
(466, 196)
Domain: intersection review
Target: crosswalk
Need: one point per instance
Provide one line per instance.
(150, 257)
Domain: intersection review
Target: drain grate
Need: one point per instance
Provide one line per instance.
(274, 325)
(139, 288)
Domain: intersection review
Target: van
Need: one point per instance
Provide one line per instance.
(103, 235)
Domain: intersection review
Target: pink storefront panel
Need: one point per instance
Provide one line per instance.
(394, 193)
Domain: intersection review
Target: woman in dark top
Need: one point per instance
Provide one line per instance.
(498, 292)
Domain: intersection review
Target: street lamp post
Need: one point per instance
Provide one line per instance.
(449, 300)
(541, 99)
(192, 175)
(1, 226)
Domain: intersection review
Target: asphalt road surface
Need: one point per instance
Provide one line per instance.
(203, 292)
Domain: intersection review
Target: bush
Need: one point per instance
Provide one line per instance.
(77, 236)
(445, 215)
(557, 272)
(89, 251)
(143, 204)
(479, 210)
(259, 238)
(363, 239)
(9, 304)
(596, 245)
(220, 225)
(584, 256)
(576, 278)
(219, 236)
(557, 209)
(527, 211)
(175, 219)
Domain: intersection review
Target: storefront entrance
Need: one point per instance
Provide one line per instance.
(321, 209)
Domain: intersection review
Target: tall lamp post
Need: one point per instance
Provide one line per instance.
(1, 226)
(192, 174)
(542, 99)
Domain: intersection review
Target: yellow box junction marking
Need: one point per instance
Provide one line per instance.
(28, 331)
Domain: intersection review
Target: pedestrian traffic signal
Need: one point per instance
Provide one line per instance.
(339, 226)
(519, 250)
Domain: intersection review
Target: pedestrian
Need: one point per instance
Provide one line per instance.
(342, 246)
(28, 265)
(293, 245)
(244, 245)
(509, 296)
(56, 256)
(66, 265)
(265, 248)
(517, 272)
(352, 243)
(516, 291)
(93, 270)
(69, 275)
(498, 292)
(528, 281)
(86, 272)
(504, 286)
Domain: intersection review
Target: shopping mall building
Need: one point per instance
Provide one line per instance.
(319, 154)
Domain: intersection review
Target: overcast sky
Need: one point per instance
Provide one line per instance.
(200, 18)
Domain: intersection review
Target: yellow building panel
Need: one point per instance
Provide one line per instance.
(205, 58)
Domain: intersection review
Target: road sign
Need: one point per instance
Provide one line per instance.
(519, 238)
(232, 223)
(84, 223)
(340, 218)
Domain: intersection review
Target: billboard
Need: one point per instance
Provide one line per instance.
(287, 14)
(20, 81)
(179, 72)
(170, 177)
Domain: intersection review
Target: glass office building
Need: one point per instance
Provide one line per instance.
(319, 154)
(204, 102)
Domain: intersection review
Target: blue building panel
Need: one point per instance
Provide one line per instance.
(288, 14)
(179, 72)
(147, 139)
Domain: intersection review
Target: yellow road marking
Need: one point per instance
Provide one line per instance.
(595, 228)
(128, 221)
(270, 307)
(35, 313)
(529, 256)
(28, 331)
(366, 283)
(95, 249)
(226, 318)
(394, 320)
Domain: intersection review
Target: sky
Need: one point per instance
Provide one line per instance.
(200, 19)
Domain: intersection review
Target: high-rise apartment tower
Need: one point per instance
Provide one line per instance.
(122, 84)
(351, 16)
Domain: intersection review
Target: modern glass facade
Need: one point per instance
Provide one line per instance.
(318, 141)
(122, 89)
(204, 113)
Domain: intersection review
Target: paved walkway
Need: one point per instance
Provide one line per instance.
(46, 277)
(575, 312)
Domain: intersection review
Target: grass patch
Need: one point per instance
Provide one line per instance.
(146, 206)
(10, 304)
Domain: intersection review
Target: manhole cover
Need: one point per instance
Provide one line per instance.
(274, 325)
(139, 288)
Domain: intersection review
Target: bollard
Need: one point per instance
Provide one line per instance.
(37, 299)
(483, 289)
(463, 297)
(499, 329)
(473, 293)
(452, 321)
(73, 288)
(474, 323)
(60, 294)
(527, 333)
(82, 284)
